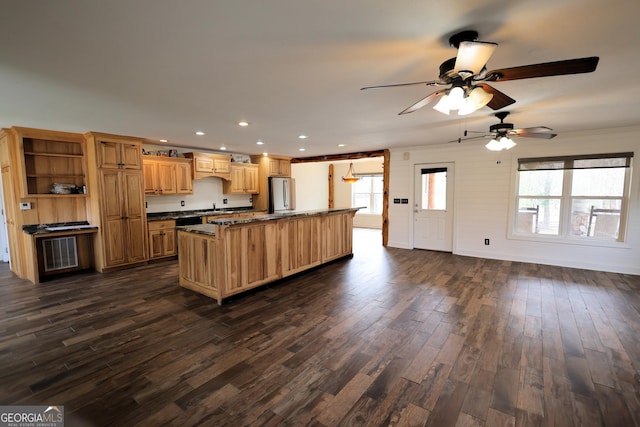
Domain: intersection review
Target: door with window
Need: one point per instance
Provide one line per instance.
(433, 207)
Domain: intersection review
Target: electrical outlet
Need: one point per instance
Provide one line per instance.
(181, 202)
(486, 242)
(224, 201)
(25, 206)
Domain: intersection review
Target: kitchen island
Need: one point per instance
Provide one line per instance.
(228, 256)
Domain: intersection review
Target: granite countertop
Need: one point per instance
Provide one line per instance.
(210, 228)
(279, 215)
(160, 216)
(58, 227)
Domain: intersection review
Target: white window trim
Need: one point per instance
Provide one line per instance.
(568, 239)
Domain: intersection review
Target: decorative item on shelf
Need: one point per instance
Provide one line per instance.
(350, 178)
(57, 188)
(173, 153)
(162, 153)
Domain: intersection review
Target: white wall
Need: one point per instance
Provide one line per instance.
(484, 191)
(312, 187)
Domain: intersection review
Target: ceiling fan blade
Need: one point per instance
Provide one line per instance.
(459, 140)
(428, 83)
(424, 101)
(472, 56)
(499, 100)
(534, 132)
(557, 68)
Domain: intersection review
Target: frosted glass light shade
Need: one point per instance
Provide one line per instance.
(473, 55)
(456, 98)
(494, 145)
(443, 105)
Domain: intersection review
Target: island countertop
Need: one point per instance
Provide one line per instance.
(210, 227)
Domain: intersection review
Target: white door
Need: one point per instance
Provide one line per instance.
(433, 207)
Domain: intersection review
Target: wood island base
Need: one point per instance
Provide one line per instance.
(227, 257)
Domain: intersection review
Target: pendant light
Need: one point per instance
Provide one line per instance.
(349, 178)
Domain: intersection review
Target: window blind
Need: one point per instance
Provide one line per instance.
(588, 161)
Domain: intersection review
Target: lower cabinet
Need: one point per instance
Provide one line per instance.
(162, 238)
(252, 256)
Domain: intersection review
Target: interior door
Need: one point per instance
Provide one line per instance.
(433, 207)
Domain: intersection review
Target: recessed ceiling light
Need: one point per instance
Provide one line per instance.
(301, 149)
(223, 148)
(340, 145)
(260, 143)
(302, 136)
(265, 154)
(243, 123)
(199, 133)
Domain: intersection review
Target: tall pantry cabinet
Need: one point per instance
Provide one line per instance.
(116, 199)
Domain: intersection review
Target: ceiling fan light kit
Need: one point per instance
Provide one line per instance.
(467, 72)
(500, 134)
(501, 143)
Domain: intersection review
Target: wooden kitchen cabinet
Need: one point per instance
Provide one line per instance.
(244, 179)
(118, 154)
(279, 167)
(269, 166)
(124, 223)
(162, 238)
(184, 176)
(116, 200)
(165, 176)
(32, 161)
(210, 164)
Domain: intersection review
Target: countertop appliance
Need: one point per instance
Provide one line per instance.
(282, 195)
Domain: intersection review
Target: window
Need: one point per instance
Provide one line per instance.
(573, 196)
(434, 189)
(367, 191)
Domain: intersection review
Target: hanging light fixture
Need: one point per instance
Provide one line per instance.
(350, 178)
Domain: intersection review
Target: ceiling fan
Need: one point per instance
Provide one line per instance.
(467, 76)
(500, 133)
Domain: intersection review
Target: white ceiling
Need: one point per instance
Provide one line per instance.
(165, 68)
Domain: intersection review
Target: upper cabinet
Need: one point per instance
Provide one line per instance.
(208, 164)
(117, 152)
(53, 162)
(269, 166)
(279, 167)
(167, 175)
(244, 179)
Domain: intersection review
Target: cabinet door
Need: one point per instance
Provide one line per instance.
(237, 180)
(156, 243)
(150, 175)
(221, 165)
(184, 181)
(274, 167)
(203, 164)
(113, 218)
(251, 182)
(136, 242)
(131, 156)
(109, 155)
(285, 167)
(169, 238)
(167, 178)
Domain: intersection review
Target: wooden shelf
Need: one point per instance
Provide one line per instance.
(32, 153)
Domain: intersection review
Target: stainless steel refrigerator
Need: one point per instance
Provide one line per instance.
(282, 196)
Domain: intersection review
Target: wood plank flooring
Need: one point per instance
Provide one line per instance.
(390, 337)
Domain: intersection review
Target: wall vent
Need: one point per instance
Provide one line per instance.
(59, 253)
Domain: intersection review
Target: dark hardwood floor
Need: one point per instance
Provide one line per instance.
(390, 337)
